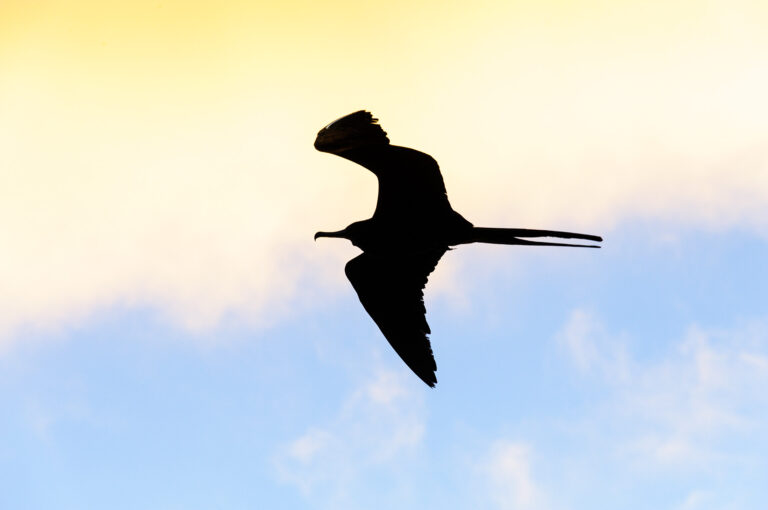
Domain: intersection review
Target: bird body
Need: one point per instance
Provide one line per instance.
(410, 230)
(412, 207)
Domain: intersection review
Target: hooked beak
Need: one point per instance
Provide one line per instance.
(339, 234)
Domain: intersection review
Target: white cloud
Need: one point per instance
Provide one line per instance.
(577, 337)
(591, 348)
(704, 393)
(379, 427)
(682, 411)
(695, 500)
(198, 197)
(508, 473)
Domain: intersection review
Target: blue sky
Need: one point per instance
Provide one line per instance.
(630, 377)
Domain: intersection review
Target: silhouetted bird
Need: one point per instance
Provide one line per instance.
(412, 227)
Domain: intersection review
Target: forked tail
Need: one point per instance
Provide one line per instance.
(512, 236)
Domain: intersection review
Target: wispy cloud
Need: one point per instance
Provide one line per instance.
(377, 430)
(694, 406)
(509, 478)
(592, 348)
(705, 394)
(195, 190)
(695, 500)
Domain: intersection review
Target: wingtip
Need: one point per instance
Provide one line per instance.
(429, 381)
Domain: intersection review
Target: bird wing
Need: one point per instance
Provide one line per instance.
(391, 291)
(410, 183)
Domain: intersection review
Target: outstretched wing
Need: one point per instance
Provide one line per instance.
(391, 291)
(410, 184)
(411, 187)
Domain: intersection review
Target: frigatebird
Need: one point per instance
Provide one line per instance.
(412, 227)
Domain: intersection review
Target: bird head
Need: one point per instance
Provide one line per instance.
(358, 233)
(340, 234)
(349, 132)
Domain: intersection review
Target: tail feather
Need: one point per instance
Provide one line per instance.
(512, 235)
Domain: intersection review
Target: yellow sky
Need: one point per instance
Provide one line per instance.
(160, 153)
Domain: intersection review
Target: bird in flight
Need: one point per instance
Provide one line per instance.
(412, 227)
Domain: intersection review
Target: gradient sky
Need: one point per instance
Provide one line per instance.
(172, 338)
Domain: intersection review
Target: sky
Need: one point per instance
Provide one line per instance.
(172, 337)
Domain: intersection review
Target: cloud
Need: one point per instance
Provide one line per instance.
(695, 500)
(591, 348)
(702, 396)
(186, 182)
(694, 407)
(375, 433)
(508, 474)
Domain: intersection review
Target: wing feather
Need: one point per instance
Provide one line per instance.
(391, 291)
(410, 183)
